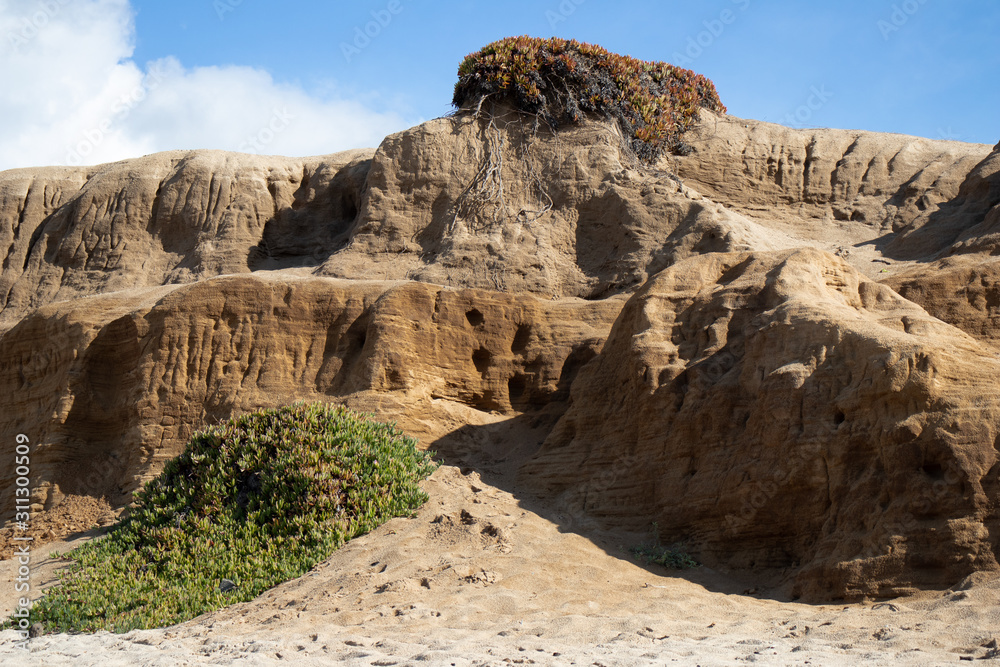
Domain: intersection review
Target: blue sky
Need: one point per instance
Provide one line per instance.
(96, 80)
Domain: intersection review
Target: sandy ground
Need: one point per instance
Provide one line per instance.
(480, 577)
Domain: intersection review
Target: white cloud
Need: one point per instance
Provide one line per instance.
(70, 94)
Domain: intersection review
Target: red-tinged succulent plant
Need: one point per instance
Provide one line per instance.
(560, 80)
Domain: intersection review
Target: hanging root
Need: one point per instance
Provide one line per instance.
(484, 196)
(483, 203)
(530, 215)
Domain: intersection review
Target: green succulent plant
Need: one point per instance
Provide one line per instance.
(675, 557)
(250, 503)
(561, 80)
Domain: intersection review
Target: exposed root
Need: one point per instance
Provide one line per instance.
(483, 203)
(484, 196)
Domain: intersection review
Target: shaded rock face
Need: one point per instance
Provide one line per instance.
(756, 396)
(962, 288)
(113, 386)
(777, 410)
(969, 222)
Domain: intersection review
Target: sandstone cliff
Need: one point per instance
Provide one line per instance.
(473, 271)
(167, 218)
(113, 385)
(864, 185)
(778, 410)
(512, 208)
(961, 288)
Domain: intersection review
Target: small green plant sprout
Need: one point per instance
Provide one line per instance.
(674, 557)
(250, 503)
(561, 80)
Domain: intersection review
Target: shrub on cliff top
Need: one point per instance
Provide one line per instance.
(250, 503)
(560, 80)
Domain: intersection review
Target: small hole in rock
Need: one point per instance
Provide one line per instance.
(521, 338)
(515, 387)
(475, 317)
(933, 470)
(481, 358)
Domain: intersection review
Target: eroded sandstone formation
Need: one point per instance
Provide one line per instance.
(778, 410)
(962, 287)
(112, 386)
(865, 185)
(701, 344)
(167, 218)
(510, 207)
